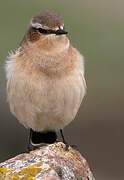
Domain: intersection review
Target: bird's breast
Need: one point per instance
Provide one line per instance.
(42, 102)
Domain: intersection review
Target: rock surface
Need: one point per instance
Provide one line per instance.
(50, 162)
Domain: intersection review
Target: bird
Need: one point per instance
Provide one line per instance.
(45, 79)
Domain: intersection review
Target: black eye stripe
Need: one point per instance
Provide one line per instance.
(45, 31)
(49, 31)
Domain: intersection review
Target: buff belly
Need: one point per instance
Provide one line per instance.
(45, 103)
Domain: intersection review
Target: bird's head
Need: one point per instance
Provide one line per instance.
(46, 30)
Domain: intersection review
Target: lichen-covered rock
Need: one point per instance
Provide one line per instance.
(51, 162)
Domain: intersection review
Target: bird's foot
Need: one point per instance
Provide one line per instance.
(64, 141)
(32, 147)
(67, 146)
(29, 148)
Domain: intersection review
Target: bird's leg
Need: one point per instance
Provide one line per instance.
(63, 139)
(65, 142)
(29, 146)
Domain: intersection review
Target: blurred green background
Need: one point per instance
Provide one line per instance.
(96, 28)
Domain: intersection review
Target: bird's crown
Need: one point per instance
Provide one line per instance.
(47, 20)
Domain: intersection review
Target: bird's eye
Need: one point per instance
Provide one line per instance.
(43, 31)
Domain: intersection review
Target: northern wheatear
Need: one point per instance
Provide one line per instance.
(45, 79)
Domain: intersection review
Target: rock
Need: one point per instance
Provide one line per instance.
(50, 162)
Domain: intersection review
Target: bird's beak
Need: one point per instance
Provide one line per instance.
(61, 32)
